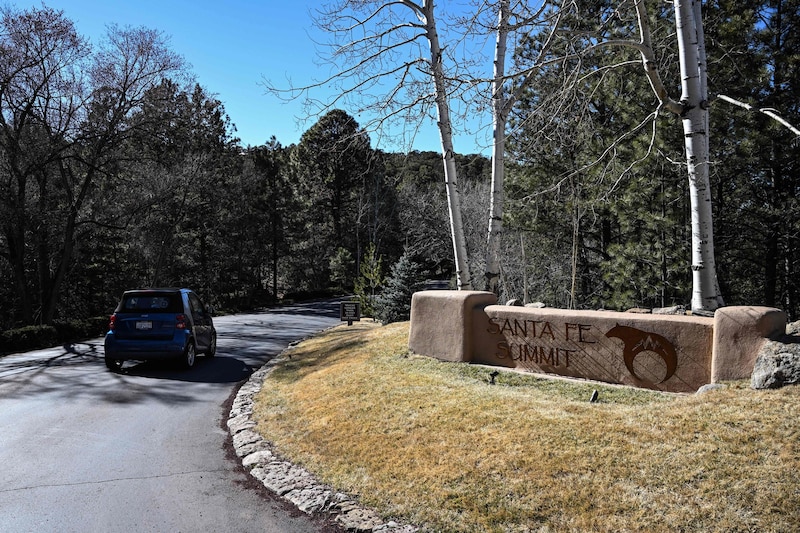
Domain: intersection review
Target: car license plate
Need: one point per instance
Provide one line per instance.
(144, 325)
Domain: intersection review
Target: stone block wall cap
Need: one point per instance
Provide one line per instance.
(672, 310)
(450, 292)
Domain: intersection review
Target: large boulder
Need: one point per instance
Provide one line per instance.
(778, 362)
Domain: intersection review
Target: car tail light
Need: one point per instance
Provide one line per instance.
(181, 321)
(112, 322)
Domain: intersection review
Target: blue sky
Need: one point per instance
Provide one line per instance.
(232, 47)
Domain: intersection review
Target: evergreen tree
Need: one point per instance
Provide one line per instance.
(394, 303)
(369, 281)
(331, 162)
(342, 264)
(191, 175)
(272, 203)
(595, 205)
(757, 180)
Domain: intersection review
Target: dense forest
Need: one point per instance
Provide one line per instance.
(116, 172)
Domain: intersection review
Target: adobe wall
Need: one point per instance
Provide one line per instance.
(442, 323)
(663, 352)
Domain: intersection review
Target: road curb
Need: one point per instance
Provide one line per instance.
(289, 481)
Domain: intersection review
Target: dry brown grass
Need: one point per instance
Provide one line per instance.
(436, 445)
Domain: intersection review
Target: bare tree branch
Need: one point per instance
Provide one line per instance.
(770, 112)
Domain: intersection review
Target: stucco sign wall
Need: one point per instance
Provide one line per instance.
(639, 350)
(670, 353)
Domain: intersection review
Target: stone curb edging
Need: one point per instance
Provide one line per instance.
(291, 482)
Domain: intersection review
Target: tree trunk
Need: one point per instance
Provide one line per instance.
(499, 117)
(688, 22)
(16, 252)
(446, 134)
(693, 110)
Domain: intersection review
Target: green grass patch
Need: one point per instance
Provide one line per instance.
(435, 444)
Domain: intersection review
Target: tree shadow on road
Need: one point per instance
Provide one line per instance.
(78, 371)
(222, 369)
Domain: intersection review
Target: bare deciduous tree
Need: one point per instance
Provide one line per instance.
(389, 63)
(64, 114)
(513, 19)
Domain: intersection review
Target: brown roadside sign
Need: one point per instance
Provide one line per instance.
(350, 312)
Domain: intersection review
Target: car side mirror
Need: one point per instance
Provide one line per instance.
(209, 310)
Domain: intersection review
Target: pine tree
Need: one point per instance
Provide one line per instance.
(370, 280)
(342, 265)
(394, 304)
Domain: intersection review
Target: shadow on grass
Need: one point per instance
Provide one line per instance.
(320, 355)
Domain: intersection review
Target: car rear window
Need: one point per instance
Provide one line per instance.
(154, 303)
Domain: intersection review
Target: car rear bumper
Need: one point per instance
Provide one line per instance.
(143, 350)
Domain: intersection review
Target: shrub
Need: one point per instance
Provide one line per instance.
(60, 332)
(28, 338)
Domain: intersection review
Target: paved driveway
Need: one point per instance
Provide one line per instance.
(84, 449)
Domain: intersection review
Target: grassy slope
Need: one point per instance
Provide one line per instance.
(434, 444)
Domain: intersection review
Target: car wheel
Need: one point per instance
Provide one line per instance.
(115, 365)
(188, 356)
(212, 347)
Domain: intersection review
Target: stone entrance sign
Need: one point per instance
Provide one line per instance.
(663, 352)
(638, 350)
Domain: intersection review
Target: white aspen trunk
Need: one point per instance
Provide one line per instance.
(705, 289)
(446, 134)
(499, 118)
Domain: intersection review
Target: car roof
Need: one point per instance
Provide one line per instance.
(167, 290)
(160, 289)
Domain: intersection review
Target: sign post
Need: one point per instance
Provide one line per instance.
(350, 312)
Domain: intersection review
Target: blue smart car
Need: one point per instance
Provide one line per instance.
(159, 324)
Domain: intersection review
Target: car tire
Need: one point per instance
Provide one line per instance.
(212, 347)
(115, 365)
(189, 356)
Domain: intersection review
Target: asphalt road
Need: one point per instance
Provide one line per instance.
(84, 449)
